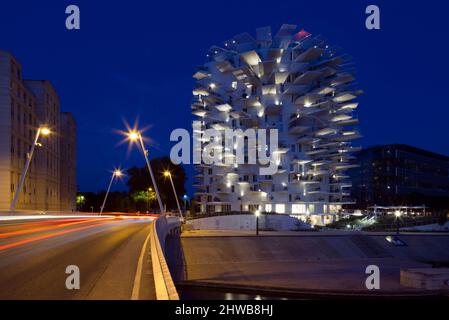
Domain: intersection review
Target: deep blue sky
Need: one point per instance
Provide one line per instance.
(137, 57)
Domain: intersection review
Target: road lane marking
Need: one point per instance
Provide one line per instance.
(22, 242)
(138, 276)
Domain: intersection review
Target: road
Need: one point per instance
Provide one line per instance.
(112, 254)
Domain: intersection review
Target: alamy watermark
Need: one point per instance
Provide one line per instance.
(373, 280)
(227, 147)
(372, 21)
(72, 282)
(72, 22)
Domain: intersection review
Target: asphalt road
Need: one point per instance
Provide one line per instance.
(34, 255)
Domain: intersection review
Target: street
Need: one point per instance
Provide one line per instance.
(35, 253)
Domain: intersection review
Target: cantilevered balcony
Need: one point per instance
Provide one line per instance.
(297, 126)
(273, 109)
(309, 55)
(348, 135)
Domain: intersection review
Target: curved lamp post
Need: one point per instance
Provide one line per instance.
(135, 136)
(397, 215)
(117, 173)
(185, 198)
(168, 174)
(45, 131)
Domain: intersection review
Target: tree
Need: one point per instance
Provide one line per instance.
(139, 179)
(80, 201)
(143, 199)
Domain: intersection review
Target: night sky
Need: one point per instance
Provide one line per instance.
(136, 58)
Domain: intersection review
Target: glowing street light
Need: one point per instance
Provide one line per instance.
(397, 215)
(168, 174)
(117, 173)
(45, 131)
(185, 198)
(135, 136)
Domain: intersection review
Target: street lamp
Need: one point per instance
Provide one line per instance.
(45, 131)
(117, 173)
(257, 213)
(168, 174)
(397, 215)
(185, 198)
(135, 136)
(148, 198)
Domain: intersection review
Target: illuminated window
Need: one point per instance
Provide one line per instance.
(311, 208)
(280, 208)
(299, 208)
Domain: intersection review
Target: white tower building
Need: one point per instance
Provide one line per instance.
(298, 84)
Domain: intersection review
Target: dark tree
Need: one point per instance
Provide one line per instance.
(139, 180)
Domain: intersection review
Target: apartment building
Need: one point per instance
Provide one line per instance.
(298, 84)
(25, 105)
(399, 174)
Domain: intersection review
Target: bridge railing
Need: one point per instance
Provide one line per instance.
(165, 287)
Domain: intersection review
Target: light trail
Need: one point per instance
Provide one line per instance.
(46, 236)
(61, 225)
(43, 216)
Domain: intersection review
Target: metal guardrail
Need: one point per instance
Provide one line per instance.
(165, 287)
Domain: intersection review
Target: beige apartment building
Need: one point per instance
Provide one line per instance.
(25, 105)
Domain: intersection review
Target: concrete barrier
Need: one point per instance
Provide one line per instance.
(426, 278)
(165, 288)
(248, 222)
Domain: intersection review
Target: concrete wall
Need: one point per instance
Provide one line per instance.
(307, 261)
(165, 288)
(248, 222)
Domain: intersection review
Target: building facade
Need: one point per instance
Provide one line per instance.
(25, 105)
(293, 82)
(398, 174)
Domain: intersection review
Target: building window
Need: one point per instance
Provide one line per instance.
(280, 208)
(311, 208)
(268, 207)
(299, 208)
(253, 207)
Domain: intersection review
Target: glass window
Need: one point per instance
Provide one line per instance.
(299, 208)
(280, 208)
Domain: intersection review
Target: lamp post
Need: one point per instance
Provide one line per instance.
(117, 173)
(45, 132)
(149, 193)
(135, 136)
(257, 214)
(397, 214)
(185, 198)
(168, 174)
